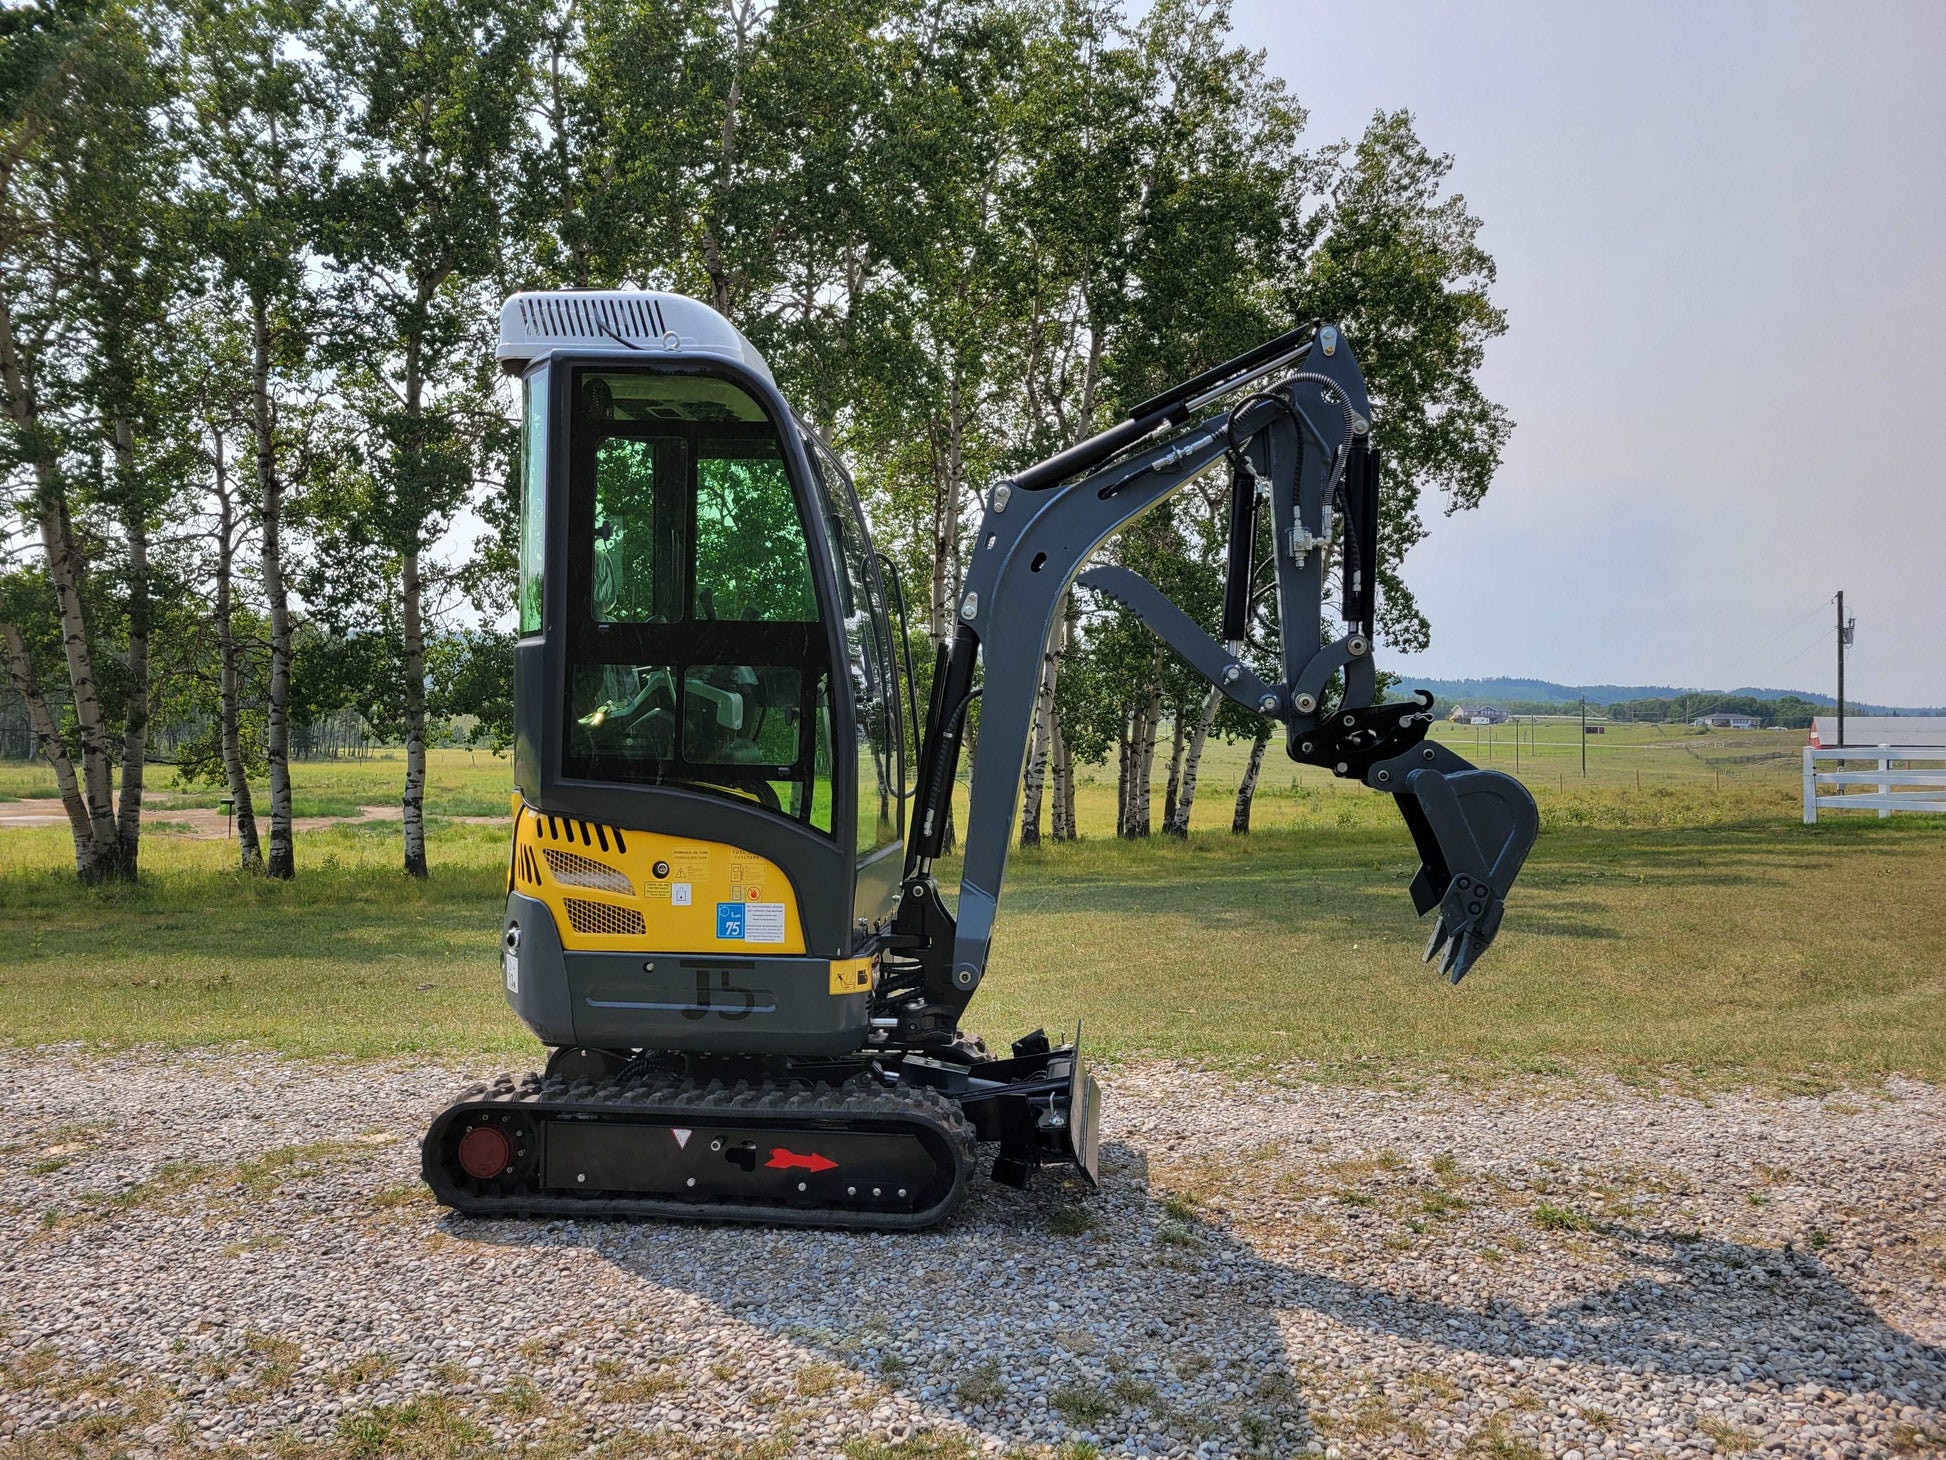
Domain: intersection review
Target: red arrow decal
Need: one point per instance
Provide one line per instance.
(784, 1160)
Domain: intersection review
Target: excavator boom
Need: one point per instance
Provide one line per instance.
(1304, 442)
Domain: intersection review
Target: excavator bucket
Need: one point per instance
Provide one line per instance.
(1473, 829)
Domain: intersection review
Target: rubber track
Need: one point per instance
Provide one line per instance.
(655, 1099)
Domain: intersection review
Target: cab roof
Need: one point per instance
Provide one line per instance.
(622, 322)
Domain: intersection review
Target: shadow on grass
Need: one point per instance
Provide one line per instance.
(1172, 1290)
(1548, 926)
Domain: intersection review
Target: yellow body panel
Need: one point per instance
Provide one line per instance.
(601, 884)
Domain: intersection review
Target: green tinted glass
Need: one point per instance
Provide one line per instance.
(637, 532)
(533, 499)
(751, 561)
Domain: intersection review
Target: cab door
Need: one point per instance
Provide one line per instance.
(878, 719)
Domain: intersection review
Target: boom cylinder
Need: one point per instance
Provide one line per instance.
(1243, 546)
(1360, 586)
(939, 757)
(1171, 408)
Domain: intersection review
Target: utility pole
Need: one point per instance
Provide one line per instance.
(1584, 737)
(1846, 628)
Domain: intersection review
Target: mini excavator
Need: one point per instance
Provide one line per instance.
(722, 912)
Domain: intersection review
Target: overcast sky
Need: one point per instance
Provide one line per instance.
(1721, 238)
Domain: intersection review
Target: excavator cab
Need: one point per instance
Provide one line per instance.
(708, 748)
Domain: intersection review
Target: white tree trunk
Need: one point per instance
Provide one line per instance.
(97, 789)
(249, 850)
(282, 861)
(135, 724)
(94, 847)
(1178, 734)
(1124, 783)
(1142, 771)
(1042, 744)
(1247, 791)
(413, 802)
(1192, 762)
(1063, 817)
(20, 669)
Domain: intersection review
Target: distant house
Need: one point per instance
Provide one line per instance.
(1727, 722)
(1483, 715)
(1880, 730)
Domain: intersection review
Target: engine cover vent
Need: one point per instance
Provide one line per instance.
(573, 870)
(604, 918)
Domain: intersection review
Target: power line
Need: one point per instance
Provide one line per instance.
(1789, 630)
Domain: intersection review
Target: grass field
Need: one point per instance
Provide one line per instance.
(1688, 926)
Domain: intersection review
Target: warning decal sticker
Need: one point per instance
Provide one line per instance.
(785, 1160)
(763, 922)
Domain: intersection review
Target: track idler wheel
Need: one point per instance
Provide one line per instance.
(491, 1152)
(485, 1152)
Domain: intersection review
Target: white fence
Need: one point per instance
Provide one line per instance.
(1887, 778)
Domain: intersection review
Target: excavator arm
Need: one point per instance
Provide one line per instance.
(1304, 443)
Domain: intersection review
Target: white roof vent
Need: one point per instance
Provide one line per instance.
(622, 321)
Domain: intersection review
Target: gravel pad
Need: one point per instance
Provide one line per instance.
(226, 1251)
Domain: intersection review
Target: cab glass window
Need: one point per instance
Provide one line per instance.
(533, 498)
(696, 650)
(868, 652)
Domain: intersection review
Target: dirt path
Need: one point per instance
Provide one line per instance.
(200, 821)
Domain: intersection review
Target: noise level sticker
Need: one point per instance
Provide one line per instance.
(763, 922)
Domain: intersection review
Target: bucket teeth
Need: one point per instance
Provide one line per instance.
(1437, 940)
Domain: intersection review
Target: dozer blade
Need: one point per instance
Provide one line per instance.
(1473, 829)
(1080, 1127)
(1042, 1106)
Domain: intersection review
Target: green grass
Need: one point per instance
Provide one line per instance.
(350, 958)
(1765, 946)
(1680, 927)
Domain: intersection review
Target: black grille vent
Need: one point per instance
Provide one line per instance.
(572, 870)
(586, 833)
(604, 918)
(569, 316)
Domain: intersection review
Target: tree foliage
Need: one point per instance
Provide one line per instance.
(259, 469)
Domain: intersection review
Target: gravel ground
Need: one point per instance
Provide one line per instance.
(230, 1252)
